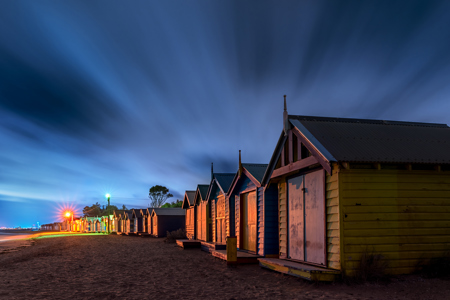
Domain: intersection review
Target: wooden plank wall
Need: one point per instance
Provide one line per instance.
(230, 215)
(332, 217)
(260, 221)
(271, 221)
(190, 223)
(205, 220)
(213, 218)
(237, 217)
(404, 216)
(282, 219)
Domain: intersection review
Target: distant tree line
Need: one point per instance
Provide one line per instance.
(158, 195)
(178, 203)
(96, 210)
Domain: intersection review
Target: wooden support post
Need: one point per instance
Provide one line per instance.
(409, 167)
(231, 250)
(438, 168)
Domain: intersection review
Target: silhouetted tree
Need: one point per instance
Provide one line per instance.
(92, 211)
(158, 195)
(96, 210)
(109, 211)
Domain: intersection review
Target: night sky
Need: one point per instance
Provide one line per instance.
(117, 96)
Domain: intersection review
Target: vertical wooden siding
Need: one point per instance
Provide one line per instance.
(190, 223)
(332, 217)
(271, 220)
(404, 216)
(230, 215)
(260, 221)
(213, 218)
(282, 219)
(237, 210)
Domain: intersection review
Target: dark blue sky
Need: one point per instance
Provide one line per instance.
(114, 96)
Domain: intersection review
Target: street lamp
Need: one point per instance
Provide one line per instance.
(108, 196)
(68, 214)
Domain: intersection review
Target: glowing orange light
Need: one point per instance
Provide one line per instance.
(66, 211)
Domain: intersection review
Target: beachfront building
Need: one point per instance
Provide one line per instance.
(51, 227)
(203, 214)
(144, 213)
(139, 219)
(351, 188)
(220, 213)
(166, 220)
(97, 224)
(117, 221)
(191, 217)
(128, 220)
(75, 225)
(148, 213)
(256, 216)
(90, 224)
(108, 224)
(147, 222)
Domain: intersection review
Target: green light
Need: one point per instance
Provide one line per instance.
(108, 196)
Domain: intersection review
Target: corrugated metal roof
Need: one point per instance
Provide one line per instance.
(257, 170)
(203, 189)
(190, 196)
(224, 180)
(169, 211)
(360, 140)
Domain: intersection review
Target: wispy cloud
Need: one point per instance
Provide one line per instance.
(152, 93)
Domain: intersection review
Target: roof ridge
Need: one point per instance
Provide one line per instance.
(366, 121)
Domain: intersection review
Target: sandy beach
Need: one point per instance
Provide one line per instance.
(108, 267)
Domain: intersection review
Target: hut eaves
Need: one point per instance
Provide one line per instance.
(369, 141)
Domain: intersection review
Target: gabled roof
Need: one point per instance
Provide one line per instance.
(201, 192)
(172, 211)
(146, 211)
(222, 181)
(255, 172)
(119, 212)
(189, 198)
(137, 212)
(127, 214)
(360, 140)
(371, 141)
